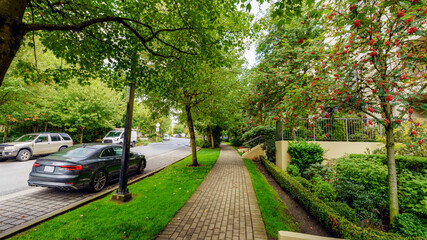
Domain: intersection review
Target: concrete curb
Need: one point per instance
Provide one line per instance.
(79, 203)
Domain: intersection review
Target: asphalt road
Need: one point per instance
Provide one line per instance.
(14, 175)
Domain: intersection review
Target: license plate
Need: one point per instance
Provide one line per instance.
(49, 168)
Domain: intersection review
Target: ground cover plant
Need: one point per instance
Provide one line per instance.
(155, 201)
(273, 209)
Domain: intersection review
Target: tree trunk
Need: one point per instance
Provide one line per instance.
(391, 163)
(11, 32)
(212, 138)
(192, 136)
(45, 126)
(81, 134)
(6, 130)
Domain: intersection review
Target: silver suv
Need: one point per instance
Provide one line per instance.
(32, 144)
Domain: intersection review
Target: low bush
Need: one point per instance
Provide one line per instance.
(269, 147)
(305, 154)
(412, 163)
(344, 210)
(293, 170)
(338, 225)
(237, 141)
(317, 169)
(202, 144)
(304, 182)
(409, 225)
(325, 191)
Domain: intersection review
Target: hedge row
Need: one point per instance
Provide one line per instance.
(412, 163)
(338, 225)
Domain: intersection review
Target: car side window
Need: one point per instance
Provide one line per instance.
(55, 138)
(65, 136)
(118, 151)
(109, 152)
(42, 138)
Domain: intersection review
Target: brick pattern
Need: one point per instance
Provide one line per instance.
(25, 208)
(223, 207)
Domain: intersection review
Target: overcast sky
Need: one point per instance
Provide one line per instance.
(259, 12)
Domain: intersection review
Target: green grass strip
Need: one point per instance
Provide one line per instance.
(273, 209)
(156, 200)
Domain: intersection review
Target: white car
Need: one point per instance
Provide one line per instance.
(166, 137)
(33, 144)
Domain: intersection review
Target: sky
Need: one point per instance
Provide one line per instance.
(259, 12)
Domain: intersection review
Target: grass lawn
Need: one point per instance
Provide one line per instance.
(155, 201)
(273, 209)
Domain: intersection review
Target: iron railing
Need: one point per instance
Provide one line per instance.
(330, 129)
(254, 142)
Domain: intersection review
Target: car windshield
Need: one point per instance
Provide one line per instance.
(114, 134)
(75, 152)
(26, 138)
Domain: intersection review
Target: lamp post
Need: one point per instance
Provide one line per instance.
(122, 194)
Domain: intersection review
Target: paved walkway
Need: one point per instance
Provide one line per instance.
(223, 207)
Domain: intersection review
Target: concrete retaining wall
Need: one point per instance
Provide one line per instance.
(332, 150)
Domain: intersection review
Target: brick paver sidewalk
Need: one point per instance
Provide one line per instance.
(223, 207)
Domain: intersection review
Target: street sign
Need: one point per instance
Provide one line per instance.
(157, 129)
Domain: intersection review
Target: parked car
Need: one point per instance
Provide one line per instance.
(34, 144)
(83, 166)
(117, 136)
(166, 137)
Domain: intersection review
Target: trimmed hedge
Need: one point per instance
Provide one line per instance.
(338, 225)
(415, 164)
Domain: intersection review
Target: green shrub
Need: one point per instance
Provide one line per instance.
(267, 131)
(293, 170)
(344, 210)
(317, 169)
(237, 141)
(325, 192)
(414, 164)
(369, 173)
(304, 182)
(202, 144)
(409, 225)
(270, 148)
(412, 189)
(305, 154)
(338, 225)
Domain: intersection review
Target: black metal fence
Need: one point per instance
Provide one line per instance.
(330, 129)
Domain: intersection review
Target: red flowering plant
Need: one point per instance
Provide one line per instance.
(287, 84)
(378, 61)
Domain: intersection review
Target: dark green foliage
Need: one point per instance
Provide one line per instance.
(338, 225)
(237, 141)
(370, 171)
(367, 172)
(344, 210)
(202, 144)
(317, 169)
(325, 191)
(293, 170)
(305, 154)
(270, 148)
(414, 164)
(267, 131)
(269, 134)
(304, 182)
(409, 225)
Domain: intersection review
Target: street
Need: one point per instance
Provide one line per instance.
(14, 174)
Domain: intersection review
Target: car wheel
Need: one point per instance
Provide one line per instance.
(23, 155)
(98, 181)
(62, 148)
(141, 167)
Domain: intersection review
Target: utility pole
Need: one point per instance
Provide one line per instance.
(122, 194)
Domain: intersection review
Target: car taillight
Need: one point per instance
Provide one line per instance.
(36, 164)
(71, 168)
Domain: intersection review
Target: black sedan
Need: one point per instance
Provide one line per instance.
(83, 166)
